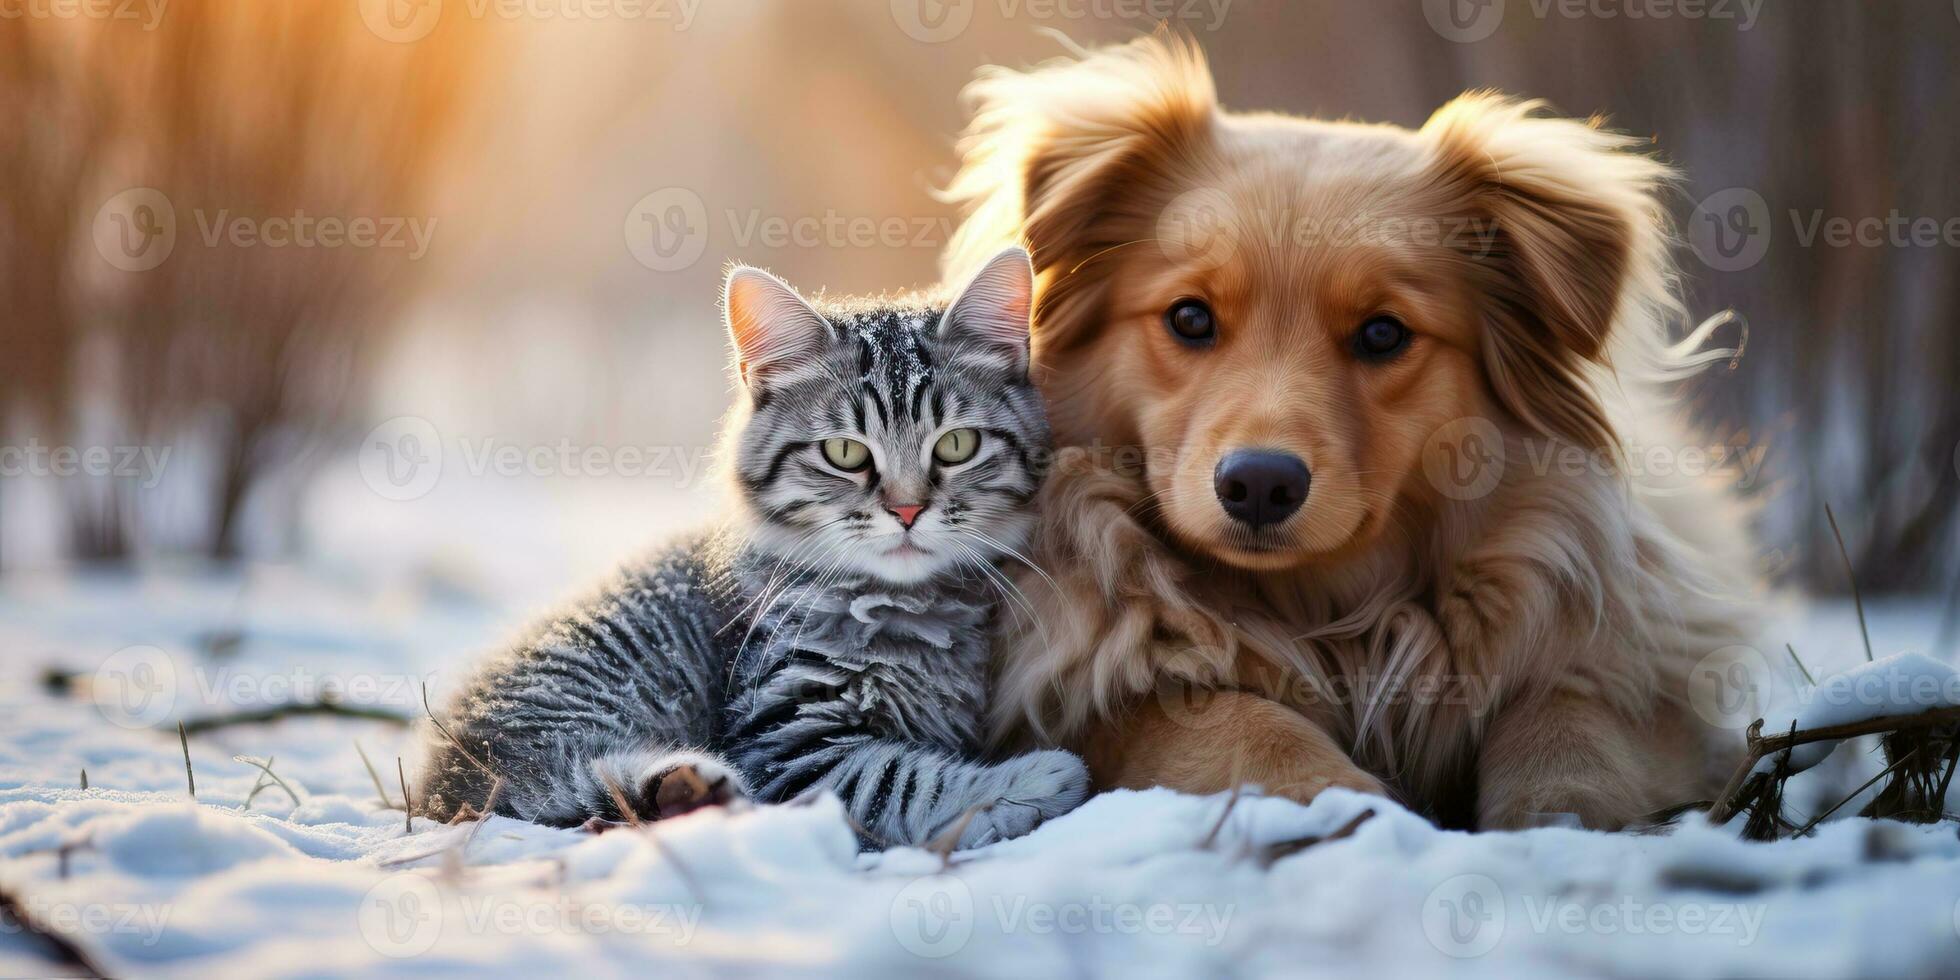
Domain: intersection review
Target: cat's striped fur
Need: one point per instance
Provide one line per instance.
(832, 635)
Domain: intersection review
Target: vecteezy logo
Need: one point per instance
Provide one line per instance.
(932, 21)
(401, 459)
(933, 916)
(1464, 459)
(401, 21)
(1199, 227)
(401, 916)
(1464, 916)
(667, 230)
(1463, 21)
(1729, 229)
(1731, 687)
(136, 687)
(136, 230)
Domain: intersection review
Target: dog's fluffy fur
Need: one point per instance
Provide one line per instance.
(1487, 654)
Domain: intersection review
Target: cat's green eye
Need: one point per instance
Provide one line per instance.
(848, 455)
(956, 446)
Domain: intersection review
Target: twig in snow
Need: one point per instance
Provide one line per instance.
(1275, 851)
(1735, 795)
(1851, 575)
(84, 777)
(14, 917)
(1812, 681)
(260, 716)
(189, 776)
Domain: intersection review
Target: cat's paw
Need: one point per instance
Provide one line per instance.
(1040, 786)
(687, 781)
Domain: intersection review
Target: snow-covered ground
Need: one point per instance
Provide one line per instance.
(327, 880)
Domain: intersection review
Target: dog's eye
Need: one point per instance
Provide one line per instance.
(1380, 339)
(848, 455)
(1191, 321)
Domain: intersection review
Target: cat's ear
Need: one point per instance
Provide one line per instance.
(990, 316)
(773, 328)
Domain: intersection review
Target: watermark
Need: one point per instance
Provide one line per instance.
(1466, 458)
(669, 230)
(1732, 687)
(1469, 21)
(1198, 681)
(142, 687)
(1469, 915)
(142, 920)
(136, 687)
(1205, 228)
(136, 230)
(142, 464)
(406, 914)
(403, 459)
(307, 231)
(938, 21)
(139, 229)
(147, 14)
(1731, 230)
(408, 21)
(936, 916)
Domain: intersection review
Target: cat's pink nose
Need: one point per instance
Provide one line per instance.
(906, 513)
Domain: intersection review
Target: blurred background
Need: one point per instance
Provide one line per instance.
(425, 289)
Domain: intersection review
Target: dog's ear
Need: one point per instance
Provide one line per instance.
(773, 329)
(989, 319)
(1567, 239)
(1057, 156)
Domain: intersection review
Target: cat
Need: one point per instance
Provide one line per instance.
(833, 633)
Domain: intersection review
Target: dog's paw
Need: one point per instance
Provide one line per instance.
(1039, 787)
(687, 781)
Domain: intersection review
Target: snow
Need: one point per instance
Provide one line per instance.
(152, 883)
(1902, 684)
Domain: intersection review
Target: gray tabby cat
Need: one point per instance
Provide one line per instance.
(834, 634)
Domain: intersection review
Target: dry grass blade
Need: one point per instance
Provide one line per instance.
(1851, 575)
(949, 841)
(453, 740)
(489, 810)
(266, 768)
(1219, 825)
(1812, 681)
(259, 784)
(374, 775)
(408, 806)
(633, 819)
(190, 777)
(1805, 830)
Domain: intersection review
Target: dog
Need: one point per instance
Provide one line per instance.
(1349, 499)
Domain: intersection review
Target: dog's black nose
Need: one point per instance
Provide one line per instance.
(1260, 487)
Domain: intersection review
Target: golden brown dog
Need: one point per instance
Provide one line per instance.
(1351, 503)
